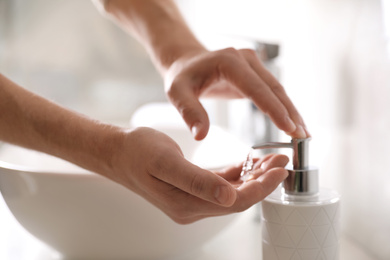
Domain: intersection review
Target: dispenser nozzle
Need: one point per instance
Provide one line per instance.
(302, 179)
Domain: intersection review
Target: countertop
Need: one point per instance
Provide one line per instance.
(241, 240)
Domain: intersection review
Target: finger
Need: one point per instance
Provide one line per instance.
(262, 160)
(255, 191)
(279, 92)
(273, 161)
(265, 180)
(267, 163)
(180, 206)
(277, 88)
(189, 107)
(232, 173)
(258, 91)
(248, 194)
(196, 181)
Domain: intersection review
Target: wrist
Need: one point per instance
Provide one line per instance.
(100, 149)
(158, 25)
(124, 147)
(165, 56)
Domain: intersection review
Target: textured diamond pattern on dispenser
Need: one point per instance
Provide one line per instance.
(283, 239)
(273, 214)
(269, 251)
(308, 213)
(296, 256)
(332, 211)
(320, 232)
(321, 218)
(309, 253)
(308, 240)
(292, 232)
(284, 252)
(296, 233)
(295, 219)
(330, 238)
(273, 231)
(283, 212)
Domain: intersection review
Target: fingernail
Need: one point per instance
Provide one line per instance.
(300, 132)
(307, 131)
(222, 194)
(195, 129)
(290, 125)
(264, 166)
(285, 174)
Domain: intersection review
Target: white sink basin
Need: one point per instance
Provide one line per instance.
(85, 216)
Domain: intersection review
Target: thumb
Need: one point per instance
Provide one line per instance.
(190, 109)
(198, 182)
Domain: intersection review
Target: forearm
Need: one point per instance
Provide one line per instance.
(31, 121)
(191, 72)
(158, 25)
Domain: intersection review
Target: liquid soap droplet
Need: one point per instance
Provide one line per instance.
(247, 167)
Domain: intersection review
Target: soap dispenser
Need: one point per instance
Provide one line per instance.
(300, 221)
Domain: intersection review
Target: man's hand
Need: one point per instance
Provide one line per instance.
(151, 164)
(144, 160)
(191, 72)
(228, 73)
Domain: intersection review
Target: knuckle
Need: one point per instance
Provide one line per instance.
(230, 51)
(262, 191)
(228, 56)
(178, 217)
(249, 52)
(240, 207)
(258, 91)
(181, 214)
(197, 185)
(277, 88)
(185, 106)
(172, 90)
(186, 111)
(181, 221)
(160, 161)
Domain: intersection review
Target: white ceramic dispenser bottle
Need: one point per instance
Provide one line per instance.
(300, 221)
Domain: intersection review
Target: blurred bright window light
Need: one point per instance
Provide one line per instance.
(386, 21)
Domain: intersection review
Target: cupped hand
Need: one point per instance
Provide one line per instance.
(151, 164)
(228, 73)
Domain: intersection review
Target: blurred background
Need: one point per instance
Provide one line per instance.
(333, 58)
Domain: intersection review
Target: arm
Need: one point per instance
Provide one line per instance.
(143, 160)
(159, 26)
(31, 121)
(191, 72)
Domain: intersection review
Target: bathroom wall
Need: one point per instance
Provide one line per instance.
(367, 140)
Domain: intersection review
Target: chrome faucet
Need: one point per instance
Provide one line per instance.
(267, 53)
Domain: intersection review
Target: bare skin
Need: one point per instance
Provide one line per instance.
(191, 72)
(147, 161)
(143, 160)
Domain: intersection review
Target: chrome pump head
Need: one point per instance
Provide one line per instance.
(302, 179)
